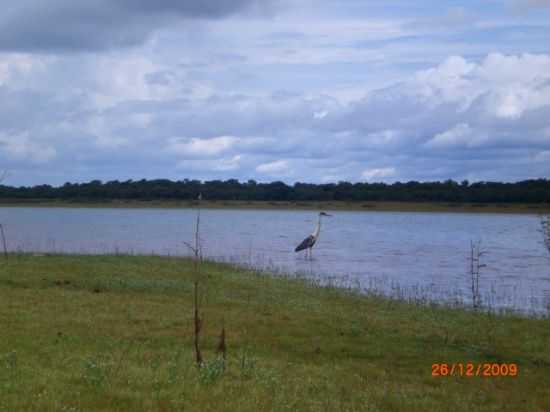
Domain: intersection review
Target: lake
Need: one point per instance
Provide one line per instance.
(415, 255)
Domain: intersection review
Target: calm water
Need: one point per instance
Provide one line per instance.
(399, 253)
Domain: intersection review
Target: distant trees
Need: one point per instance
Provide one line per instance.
(528, 191)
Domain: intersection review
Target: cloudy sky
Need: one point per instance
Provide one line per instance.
(292, 90)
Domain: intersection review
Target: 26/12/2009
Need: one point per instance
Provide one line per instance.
(471, 369)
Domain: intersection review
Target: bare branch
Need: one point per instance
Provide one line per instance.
(2, 177)
(190, 246)
(196, 266)
(476, 252)
(4, 243)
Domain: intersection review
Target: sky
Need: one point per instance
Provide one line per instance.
(293, 90)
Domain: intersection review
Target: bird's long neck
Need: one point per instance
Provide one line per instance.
(317, 229)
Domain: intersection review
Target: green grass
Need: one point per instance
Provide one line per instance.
(114, 333)
(535, 208)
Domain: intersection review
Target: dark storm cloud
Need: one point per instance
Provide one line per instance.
(67, 25)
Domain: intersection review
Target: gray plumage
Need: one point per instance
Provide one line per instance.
(309, 241)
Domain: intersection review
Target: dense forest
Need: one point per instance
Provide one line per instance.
(528, 191)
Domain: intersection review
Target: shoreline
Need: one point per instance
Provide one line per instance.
(378, 206)
(406, 295)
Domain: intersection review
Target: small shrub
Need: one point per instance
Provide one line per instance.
(95, 374)
(211, 371)
(356, 330)
(10, 371)
(69, 409)
(247, 364)
(174, 368)
(9, 361)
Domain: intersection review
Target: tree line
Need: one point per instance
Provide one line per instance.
(527, 191)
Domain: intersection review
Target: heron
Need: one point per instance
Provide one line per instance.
(309, 241)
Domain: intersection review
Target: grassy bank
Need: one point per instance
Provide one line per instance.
(539, 208)
(114, 333)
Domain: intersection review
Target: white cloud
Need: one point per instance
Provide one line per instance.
(383, 137)
(21, 147)
(447, 83)
(196, 147)
(17, 64)
(101, 128)
(460, 135)
(284, 98)
(121, 78)
(330, 179)
(516, 83)
(278, 166)
(225, 165)
(380, 174)
(291, 40)
(543, 156)
(211, 165)
(509, 85)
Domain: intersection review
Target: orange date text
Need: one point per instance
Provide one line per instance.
(474, 369)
